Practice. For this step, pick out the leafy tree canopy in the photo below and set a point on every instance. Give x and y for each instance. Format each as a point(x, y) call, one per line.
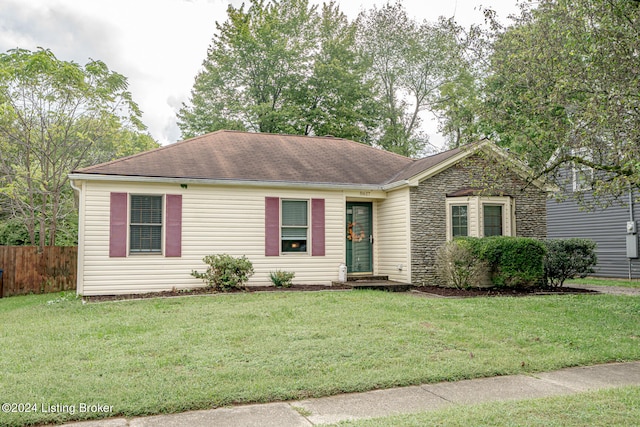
point(282, 66)
point(563, 88)
point(410, 62)
point(57, 116)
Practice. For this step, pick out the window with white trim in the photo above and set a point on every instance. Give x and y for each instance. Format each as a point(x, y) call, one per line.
point(459, 220)
point(479, 216)
point(582, 175)
point(145, 224)
point(294, 229)
point(492, 220)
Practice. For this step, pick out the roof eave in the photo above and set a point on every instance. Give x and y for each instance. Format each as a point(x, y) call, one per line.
point(395, 185)
point(225, 182)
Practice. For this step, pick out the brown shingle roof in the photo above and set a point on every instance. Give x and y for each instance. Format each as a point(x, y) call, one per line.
point(234, 155)
point(421, 165)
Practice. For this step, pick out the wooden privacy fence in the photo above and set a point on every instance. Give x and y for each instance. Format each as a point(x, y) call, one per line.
point(26, 270)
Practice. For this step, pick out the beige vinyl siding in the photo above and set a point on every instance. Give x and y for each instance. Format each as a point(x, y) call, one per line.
point(393, 236)
point(214, 220)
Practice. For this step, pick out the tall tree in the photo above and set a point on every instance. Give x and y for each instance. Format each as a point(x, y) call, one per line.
point(460, 98)
point(56, 116)
point(281, 66)
point(410, 63)
point(564, 88)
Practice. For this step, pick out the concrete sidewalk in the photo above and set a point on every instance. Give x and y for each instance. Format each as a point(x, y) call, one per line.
point(380, 403)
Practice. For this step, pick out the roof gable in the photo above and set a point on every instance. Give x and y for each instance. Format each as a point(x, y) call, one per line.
point(435, 164)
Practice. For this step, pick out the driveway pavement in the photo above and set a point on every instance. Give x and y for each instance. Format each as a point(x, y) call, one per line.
point(613, 290)
point(377, 403)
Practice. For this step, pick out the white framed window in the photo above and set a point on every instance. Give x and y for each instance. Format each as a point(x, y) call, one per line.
point(459, 220)
point(492, 220)
point(294, 228)
point(145, 224)
point(478, 216)
point(582, 175)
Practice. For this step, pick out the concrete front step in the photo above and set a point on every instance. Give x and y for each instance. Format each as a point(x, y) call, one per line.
point(366, 278)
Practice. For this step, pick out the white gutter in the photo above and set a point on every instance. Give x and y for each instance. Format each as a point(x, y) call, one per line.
point(80, 264)
point(73, 185)
point(394, 185)
point(231, 182)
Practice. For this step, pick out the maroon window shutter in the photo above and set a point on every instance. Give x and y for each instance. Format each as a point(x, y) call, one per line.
point(317, 227)
point(118, 225)
point(272, 226)
point(173, 232)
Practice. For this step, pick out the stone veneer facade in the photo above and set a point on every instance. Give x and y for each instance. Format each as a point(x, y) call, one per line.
point(428, 208)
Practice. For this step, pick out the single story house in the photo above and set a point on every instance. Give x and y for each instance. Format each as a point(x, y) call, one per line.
point(294, 203)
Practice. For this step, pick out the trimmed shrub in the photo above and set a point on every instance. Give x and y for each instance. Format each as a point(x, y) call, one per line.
point(568, 258)
point(515, 262)
point(282, 279)
point(225, 272)
point(458, 267)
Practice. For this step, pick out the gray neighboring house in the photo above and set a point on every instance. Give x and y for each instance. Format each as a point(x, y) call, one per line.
point(606, 226)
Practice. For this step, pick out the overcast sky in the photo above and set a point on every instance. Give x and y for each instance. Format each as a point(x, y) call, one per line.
point(159, 45)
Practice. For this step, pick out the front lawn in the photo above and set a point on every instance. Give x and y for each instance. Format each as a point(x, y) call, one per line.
point(170, 355)
point(615, 407)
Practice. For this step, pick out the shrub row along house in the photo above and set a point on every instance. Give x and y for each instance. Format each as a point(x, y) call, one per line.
point(295, 203)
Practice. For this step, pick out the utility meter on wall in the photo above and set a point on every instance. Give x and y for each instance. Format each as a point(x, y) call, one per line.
point(631, 227)
point(632, 240)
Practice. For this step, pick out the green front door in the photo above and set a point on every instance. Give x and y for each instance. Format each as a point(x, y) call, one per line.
point(359, 237)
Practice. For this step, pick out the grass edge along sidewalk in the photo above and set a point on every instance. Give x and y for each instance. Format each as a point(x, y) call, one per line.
point(611, 407)
point(456, 403)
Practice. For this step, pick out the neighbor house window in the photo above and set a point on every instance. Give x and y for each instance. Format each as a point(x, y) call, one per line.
point(582, 174)
point(492, 215)
point(145, 233)
point(295, 225)
point(459, 220)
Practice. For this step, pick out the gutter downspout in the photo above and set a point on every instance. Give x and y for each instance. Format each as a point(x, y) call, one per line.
point(80, 259)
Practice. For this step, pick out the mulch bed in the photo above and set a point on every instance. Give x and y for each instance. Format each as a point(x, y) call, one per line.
point(210, 291)
point(467, 293)
point(445, 292)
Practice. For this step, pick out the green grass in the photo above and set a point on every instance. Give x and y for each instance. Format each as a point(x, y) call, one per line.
point(615, 407)
point(604, 282)
point(170, 355)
